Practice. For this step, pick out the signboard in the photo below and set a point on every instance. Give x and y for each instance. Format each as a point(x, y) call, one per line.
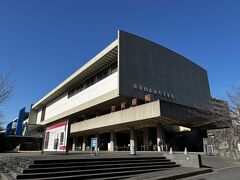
point(209, 149)
point(94, 146)
point(56, 137)
point(94, 142)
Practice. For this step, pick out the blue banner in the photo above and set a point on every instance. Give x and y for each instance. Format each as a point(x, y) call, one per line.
point(20, 122)
point(9, 129)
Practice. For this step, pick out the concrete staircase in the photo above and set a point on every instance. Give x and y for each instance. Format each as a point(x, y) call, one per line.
point(92, 168)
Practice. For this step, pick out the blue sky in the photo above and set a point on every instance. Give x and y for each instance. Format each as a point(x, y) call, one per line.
point(42, 42)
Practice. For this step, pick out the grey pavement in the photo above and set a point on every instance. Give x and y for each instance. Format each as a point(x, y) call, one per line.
point(172, 173)
point(222, 169)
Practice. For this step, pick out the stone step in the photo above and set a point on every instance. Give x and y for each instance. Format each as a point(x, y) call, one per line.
point(86, 163)
point(6, 176)
point(94, 159)
point(11, 164)
point(91, 166)
point(104, 175)
point(89, 172)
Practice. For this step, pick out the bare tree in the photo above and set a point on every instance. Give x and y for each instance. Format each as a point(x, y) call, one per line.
point(234, 103)
point(6, 88)
point(220, 113)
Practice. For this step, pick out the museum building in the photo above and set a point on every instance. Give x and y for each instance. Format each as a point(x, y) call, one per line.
point(133, 94)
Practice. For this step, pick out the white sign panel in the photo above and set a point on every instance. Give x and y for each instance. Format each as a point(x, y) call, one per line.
point(56, 137)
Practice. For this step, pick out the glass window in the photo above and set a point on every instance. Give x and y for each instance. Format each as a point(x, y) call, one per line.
point(94, 79)
point(43, 113)
point(114, 68)
point(105, 73)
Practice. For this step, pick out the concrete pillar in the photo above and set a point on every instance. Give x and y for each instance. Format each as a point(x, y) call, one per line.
point(84, 143)
point(112, 139)
point(160, 137)
point(146, 139)
point(74, 143)
point(132, 141)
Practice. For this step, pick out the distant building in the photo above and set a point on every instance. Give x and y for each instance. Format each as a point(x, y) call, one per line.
point(129, 95)
point(15, 127)
point(223, 140)
point(20, 135)
point(220, 106)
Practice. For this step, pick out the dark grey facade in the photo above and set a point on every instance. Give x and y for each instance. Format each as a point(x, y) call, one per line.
point(146, 67)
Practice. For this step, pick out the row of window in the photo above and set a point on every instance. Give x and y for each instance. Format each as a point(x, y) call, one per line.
point(88, 82)
point(94, 79)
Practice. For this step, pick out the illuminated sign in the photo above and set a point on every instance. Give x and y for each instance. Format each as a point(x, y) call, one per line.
point(94, 142)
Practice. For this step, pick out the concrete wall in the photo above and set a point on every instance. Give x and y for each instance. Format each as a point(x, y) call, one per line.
point(32, 116)
point(225, 143)
point(116, 119)
point(185, 160)
point(39, 114)
point(144, 63)
point(63, 103)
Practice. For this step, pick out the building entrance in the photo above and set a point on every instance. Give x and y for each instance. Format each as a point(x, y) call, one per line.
point(140, 144)
point(103, 141)
point(122, 141)
point(188, 139)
